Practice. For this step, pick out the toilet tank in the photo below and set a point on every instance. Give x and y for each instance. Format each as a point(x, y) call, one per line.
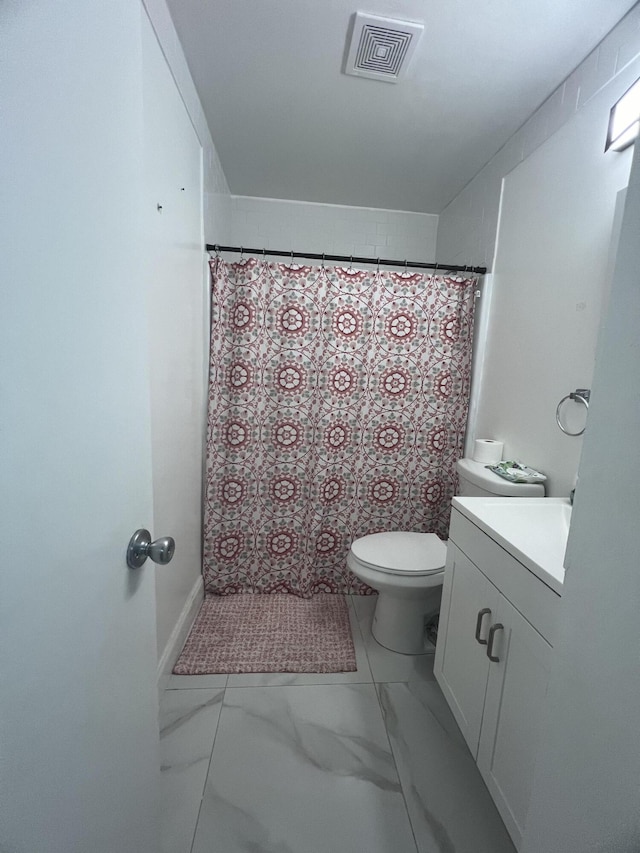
point(476, 480)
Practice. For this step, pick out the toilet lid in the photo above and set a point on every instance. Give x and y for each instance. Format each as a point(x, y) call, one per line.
point(401, 552)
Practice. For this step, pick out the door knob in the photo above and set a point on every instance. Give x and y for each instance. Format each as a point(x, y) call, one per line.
point(140, 547)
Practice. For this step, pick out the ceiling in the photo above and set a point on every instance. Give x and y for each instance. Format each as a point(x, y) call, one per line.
point(288, 124)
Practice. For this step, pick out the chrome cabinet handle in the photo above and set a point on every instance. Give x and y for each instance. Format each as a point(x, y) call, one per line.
point(492, 633)
point(140, 547)
point(481, 614)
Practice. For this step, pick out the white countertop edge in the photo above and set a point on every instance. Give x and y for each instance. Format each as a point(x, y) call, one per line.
point(553, 583)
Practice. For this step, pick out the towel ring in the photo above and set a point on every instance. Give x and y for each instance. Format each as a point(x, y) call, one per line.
point(580, 395)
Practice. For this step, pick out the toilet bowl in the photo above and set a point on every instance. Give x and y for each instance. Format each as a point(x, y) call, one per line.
point(407, 568)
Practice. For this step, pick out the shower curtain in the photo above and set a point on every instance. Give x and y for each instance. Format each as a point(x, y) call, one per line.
point(337, 406)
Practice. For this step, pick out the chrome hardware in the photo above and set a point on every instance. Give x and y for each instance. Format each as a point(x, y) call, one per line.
point(492, 633)
point(140, 547)
point(580, 395)
point(482, 613)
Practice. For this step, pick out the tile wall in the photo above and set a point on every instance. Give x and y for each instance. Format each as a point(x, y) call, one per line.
point(331, 228)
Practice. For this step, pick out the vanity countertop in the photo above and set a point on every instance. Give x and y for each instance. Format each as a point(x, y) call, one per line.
point(533, 530)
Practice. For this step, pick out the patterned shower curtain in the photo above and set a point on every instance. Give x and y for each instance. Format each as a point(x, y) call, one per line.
point(337, 407)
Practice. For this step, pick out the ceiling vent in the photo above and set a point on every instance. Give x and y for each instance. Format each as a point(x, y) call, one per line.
point(381, 48)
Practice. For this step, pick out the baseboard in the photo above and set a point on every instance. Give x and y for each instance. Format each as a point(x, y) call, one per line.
point(179, 634)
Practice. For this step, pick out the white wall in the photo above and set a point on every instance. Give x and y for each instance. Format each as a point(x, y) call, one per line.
point(178, 312)
point(468, 225)
point(216, 189)
point(335, 229)
point(177, 290)
point(549, 284)
point(540, 216)
point(585, 794)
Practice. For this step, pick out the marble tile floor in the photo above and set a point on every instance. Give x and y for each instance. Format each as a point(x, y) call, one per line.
point(370, 761)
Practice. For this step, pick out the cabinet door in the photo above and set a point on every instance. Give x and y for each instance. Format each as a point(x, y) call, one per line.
point(516, 691)
point(461, 664)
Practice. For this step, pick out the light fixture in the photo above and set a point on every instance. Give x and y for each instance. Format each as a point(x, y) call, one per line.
point(624, 120)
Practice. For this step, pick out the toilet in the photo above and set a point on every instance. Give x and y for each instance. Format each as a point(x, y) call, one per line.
point(407, 568)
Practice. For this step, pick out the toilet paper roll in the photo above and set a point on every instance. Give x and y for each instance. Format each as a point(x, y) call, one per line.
point(488, 451)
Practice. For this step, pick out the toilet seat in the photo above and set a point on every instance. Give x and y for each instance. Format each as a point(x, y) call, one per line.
point(401, 552)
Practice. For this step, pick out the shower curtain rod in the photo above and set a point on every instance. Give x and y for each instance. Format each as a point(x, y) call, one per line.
point(348, 258)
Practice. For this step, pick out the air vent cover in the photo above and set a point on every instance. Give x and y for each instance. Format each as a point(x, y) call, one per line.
point(381, 47)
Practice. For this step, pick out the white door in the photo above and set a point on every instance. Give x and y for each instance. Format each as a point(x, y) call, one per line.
point(176, 311)
point(468, 609)
point(516, 693)
point(78, 705)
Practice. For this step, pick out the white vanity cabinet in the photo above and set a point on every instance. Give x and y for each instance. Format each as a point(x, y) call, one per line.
point(492, 605)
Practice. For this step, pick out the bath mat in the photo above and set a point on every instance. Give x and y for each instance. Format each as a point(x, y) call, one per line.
point(269, 633)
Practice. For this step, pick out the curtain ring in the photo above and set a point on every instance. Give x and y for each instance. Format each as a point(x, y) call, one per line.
point(241, 253)
point(405, 266)
point(264, 255)
point(323, 260)
point(350, 264)
point(378, 266)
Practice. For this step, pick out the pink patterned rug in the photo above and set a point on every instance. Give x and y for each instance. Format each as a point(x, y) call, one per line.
point(269, 633)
